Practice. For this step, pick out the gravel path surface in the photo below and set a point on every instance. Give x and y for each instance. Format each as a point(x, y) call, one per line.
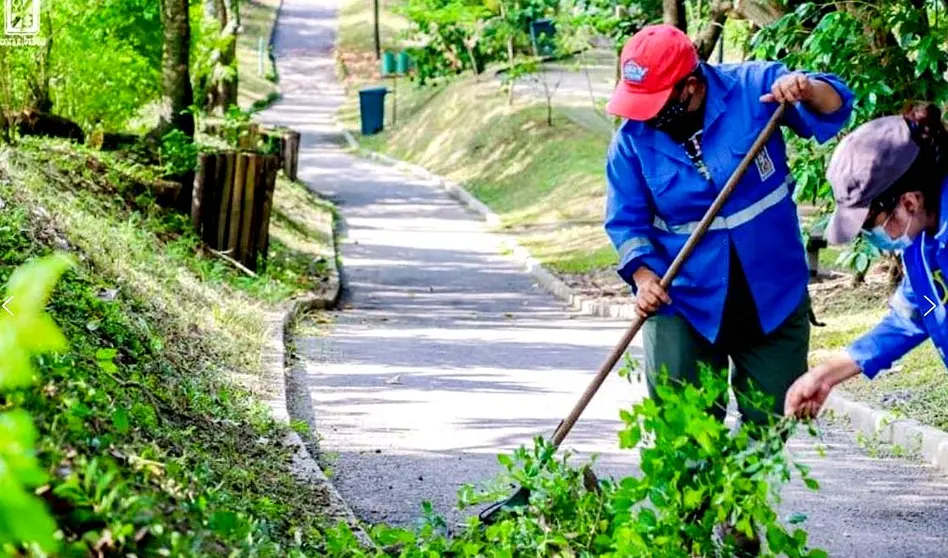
point(446, 353)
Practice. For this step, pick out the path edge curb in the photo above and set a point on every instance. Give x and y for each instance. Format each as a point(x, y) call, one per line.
point(885, 426)
point(276, 372)
point(931, 443)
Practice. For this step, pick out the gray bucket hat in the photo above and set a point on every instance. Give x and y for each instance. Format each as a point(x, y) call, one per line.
point(864, 165)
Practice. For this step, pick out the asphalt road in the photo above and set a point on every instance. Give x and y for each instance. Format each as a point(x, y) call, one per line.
point(446, 353)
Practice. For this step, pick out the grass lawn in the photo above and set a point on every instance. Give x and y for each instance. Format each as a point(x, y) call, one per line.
point(257, 19)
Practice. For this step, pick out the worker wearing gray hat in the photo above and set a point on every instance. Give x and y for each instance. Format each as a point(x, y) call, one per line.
point(889, 177)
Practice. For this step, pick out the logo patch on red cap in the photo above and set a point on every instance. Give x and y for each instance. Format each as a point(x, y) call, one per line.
point(632, 72)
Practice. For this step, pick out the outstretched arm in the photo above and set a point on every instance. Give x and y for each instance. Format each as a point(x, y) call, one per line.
point(898, 333)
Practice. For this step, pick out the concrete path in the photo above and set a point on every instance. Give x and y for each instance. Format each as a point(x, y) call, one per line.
point(446, 353)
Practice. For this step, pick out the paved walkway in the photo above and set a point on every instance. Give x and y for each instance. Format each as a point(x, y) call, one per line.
point(446, 353)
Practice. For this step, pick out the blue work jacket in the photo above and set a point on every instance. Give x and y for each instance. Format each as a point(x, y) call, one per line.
point(917, 309)
point(656, 197)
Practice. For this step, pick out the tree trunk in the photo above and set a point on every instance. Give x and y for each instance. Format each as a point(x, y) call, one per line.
point(709, 36)
point(764, 12)
point(175, 61)
point(470, 54)
point(673, 12)
point(221, 91)
point(39, 84)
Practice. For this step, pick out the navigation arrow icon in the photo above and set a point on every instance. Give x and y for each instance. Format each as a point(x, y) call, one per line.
point(932, 308)
point(4, 305)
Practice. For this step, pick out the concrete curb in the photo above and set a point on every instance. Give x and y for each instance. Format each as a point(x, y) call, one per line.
point(305, 468)
point(930, 442)
point(887, 427)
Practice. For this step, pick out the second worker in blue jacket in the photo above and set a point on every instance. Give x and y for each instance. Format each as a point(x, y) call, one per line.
point(743, 292)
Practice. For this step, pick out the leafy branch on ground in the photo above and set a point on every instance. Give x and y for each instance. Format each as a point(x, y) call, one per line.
point(696, 475)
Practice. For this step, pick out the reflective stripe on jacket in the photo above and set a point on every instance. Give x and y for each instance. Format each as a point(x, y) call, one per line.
point(656, 197)
point(917, 309)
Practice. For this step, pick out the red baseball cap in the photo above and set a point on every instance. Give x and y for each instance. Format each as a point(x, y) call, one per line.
point(653, 61)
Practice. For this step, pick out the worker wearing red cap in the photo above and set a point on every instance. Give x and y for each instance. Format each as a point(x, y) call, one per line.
point(742, 295)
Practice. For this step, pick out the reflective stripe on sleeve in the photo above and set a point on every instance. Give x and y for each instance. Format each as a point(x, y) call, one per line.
point(739, 218)
point(631, 245)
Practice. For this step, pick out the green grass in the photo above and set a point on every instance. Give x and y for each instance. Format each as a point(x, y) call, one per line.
point(257, 19)
point(356, 30)
point(150, 425)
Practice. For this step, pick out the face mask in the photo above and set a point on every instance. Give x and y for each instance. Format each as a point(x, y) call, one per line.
point(671, 116)
point(881, 239)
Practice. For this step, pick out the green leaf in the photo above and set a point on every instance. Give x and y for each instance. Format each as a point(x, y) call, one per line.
point(224, 522)
point(811, 483)
point(106, 354)
point(797, 518)
point(120, 420)
point(31, 284)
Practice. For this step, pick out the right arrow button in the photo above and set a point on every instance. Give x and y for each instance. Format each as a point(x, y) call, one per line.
point(933, 306)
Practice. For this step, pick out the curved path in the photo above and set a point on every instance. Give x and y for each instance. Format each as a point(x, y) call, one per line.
point(446, 353)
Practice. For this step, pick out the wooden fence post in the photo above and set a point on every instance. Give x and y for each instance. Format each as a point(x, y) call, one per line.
point(231, 236)
point(266, 206)
point(203, 176)
point(226, 194)
point(243, 252)
point(232, 204)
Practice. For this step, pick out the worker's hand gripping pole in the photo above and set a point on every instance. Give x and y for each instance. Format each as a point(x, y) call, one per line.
point(564, 428)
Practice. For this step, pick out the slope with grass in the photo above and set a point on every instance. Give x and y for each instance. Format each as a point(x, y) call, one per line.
point(258, 18)
point(150, 425)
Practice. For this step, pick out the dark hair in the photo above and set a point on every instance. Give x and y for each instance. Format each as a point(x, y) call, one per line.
point(927, 173)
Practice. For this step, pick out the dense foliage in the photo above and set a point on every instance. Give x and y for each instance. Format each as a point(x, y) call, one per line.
point(890, 53)
point(100, 62)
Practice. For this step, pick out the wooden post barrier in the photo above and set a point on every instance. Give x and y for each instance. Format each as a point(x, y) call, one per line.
point(233, 197)
point(249, 137)
point(291, 154)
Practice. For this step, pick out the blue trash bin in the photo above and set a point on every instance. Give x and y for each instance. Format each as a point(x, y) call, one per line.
point(372, 109)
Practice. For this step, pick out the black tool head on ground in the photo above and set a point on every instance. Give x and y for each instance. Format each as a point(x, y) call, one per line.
point(519, 499)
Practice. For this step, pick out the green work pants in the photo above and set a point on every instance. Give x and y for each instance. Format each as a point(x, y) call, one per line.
point(768, 363)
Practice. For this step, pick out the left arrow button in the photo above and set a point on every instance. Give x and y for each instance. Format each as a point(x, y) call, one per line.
point(4, 305)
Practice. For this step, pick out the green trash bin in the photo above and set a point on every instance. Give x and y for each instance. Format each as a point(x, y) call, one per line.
point(403, 64)
point(388, 63)
point(372, 109)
